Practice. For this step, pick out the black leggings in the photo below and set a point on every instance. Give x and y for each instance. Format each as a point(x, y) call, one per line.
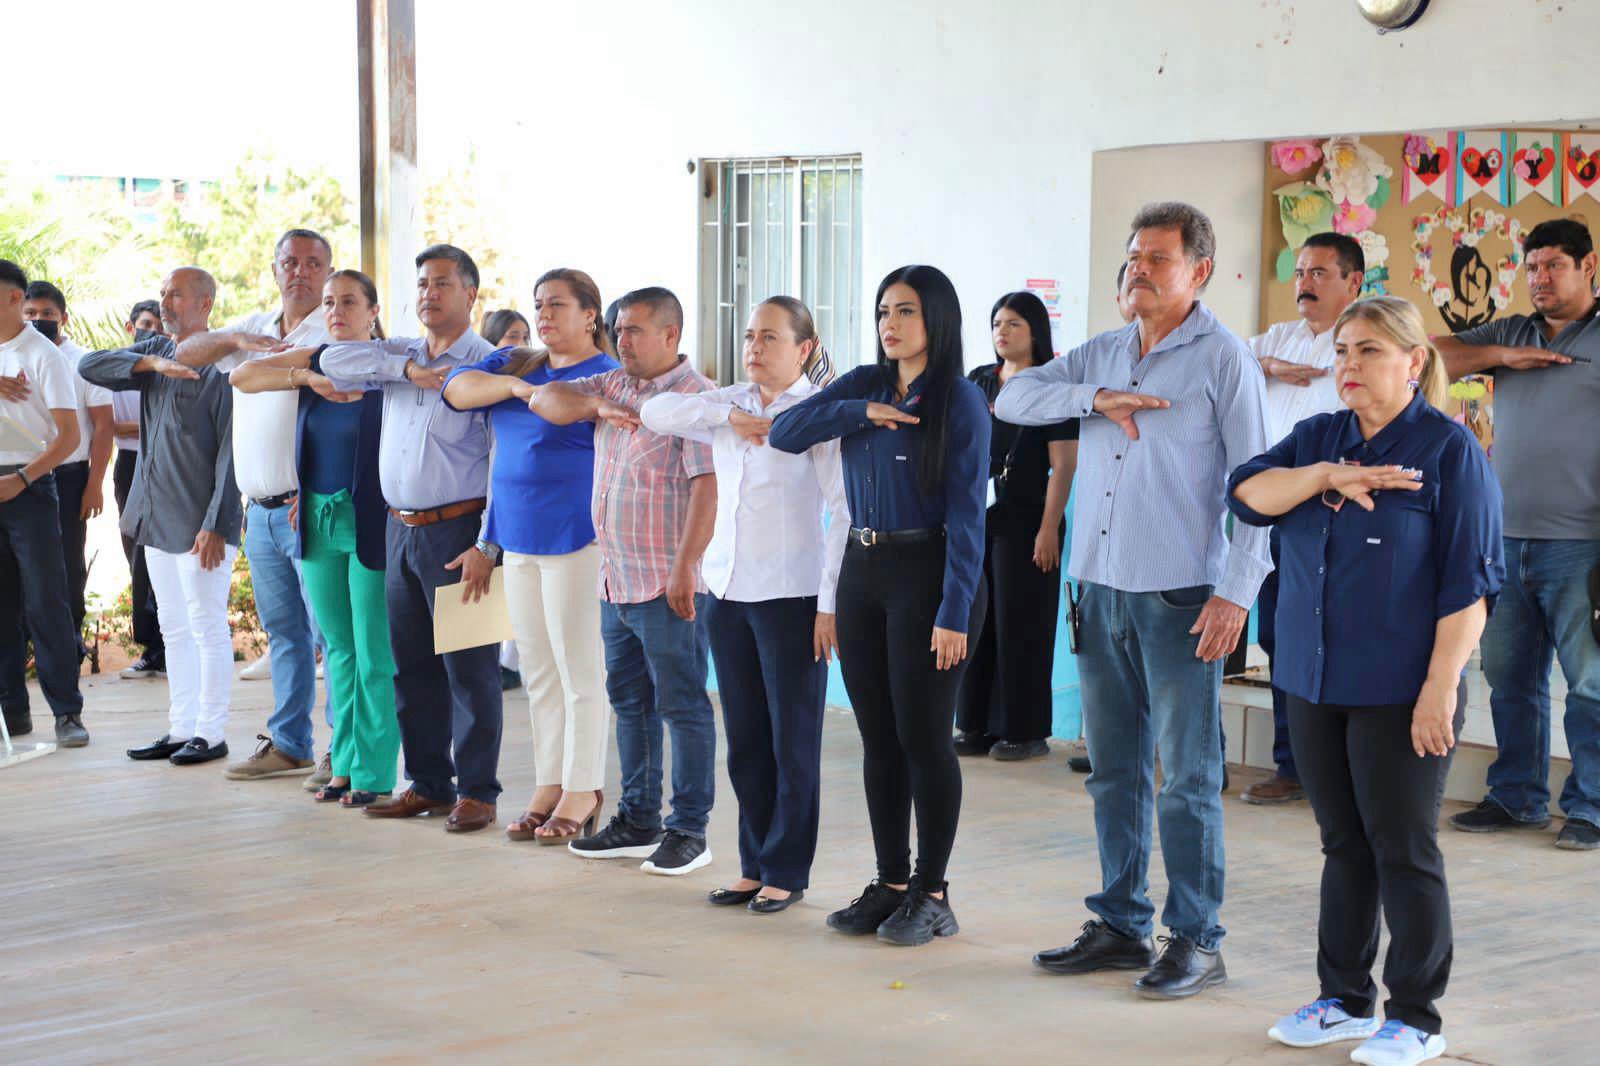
point(887, 602)
point(1377, 806)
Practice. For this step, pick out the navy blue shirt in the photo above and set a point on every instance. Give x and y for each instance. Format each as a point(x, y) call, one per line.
point(1359, 592)
point(881, 468)
point(328, 451)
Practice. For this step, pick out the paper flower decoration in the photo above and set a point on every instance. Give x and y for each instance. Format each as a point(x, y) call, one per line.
point(1352, 170)
point(1303, 209)
point(1374, 248)
point(1353, 218)
point(1295, 157)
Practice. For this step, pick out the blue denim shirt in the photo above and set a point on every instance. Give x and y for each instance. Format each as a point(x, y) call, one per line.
point(1360, 591)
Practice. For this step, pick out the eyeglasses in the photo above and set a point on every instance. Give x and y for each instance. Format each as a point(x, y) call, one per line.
point(1333, 498)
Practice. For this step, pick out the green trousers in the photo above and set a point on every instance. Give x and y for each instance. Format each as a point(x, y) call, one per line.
point(349, 602)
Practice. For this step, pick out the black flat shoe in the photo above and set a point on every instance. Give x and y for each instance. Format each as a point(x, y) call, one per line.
point(198, 751)
point(164, 748)
point(767, 905)
point(1098, 947)
point(730, 897)
point(1017, 750)
point(867, 911)
point(973, 744)
point(1079, 764)
point(331, 793)
point(1183, 969)
point(919, 918)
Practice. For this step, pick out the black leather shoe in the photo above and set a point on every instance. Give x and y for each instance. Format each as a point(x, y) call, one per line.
point(1017, 750)
point(70, 732)
point(973, 744)
point(1079, 764)
point(767, 905)
point(919, 918)
point(1099, 947)
point(1183, 969)
point(867, 911)
point(163, 748)
point(730, 897)
point(19, 723)
point(198, 751)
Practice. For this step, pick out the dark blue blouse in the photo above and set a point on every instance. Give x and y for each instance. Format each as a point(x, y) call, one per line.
point(1359, 592)
point(328, 450)
point(881, 469)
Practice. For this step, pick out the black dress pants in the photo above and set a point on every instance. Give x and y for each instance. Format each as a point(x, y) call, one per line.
point(72, 480)
point(146, 626)
point(1377, 806)
point(904, 705)
point(1006, 691)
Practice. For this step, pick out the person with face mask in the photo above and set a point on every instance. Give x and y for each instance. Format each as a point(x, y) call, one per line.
point(144, 322)
point(772, 573)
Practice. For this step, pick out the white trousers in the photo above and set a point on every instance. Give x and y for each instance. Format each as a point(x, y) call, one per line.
point(192, 605)
point(555, 616)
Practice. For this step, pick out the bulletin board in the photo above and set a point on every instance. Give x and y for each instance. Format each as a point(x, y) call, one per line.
point(1440, 215)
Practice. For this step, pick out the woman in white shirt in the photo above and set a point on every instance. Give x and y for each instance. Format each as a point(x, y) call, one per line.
point(772, 571)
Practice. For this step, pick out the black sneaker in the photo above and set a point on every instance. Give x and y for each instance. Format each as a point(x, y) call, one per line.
point(145, 666)
point(1183, 969)
point(1490, 817)
point(19, 723)
point(1017, 750)
point(678, 854)
point(973, 744)
point(1578, 835)
point(1079, 764)
point(919, 918)
point(618, 840)
point(868, 910)
point(70, 732)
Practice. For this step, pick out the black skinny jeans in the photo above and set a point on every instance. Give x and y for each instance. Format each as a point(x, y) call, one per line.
point(1377, 806)
point(888, 599)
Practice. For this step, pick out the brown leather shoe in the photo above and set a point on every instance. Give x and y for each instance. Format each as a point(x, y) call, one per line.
point(469, 816)
point(408, 804)
point(1274, 790)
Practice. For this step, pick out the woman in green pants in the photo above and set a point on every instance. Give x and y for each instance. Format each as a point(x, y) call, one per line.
point(340, 516)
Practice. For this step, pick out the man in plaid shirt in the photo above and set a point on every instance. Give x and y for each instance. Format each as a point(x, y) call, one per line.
point(654, 508)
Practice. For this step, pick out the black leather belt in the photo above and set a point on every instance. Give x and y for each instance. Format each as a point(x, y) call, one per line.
point(272, 503)
point(877, 538)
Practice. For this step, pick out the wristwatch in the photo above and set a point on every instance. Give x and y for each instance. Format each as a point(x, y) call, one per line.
point(490, 551)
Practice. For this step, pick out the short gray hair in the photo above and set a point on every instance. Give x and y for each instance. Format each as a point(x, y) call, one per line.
point(1199, 239)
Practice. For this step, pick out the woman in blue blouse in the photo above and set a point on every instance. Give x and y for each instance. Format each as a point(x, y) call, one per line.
point(914, 441)
point(540, 488)
point(1389, 519)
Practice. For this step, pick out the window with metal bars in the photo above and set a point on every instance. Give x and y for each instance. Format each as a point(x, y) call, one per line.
point(780, 226)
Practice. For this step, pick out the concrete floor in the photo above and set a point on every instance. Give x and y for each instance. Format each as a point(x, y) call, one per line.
point(157, 914)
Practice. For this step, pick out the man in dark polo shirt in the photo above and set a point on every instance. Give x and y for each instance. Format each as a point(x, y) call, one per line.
point(1546, 369)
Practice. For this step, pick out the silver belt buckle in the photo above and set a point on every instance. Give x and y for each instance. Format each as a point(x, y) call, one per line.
point(869, 537)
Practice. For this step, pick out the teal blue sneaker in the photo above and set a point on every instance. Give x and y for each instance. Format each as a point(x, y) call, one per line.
point(1320, 1022)
point(1397, 1044)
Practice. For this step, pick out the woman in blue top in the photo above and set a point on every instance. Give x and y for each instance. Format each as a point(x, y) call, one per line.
point(1389, 519)
point(539, 499)
point(340, 517)
point(914, 442)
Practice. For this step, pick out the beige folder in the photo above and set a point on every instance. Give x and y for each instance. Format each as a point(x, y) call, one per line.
point(458, 625)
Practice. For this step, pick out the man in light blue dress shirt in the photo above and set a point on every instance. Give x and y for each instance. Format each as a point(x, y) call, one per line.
point(433, 463)
point(1165, 593)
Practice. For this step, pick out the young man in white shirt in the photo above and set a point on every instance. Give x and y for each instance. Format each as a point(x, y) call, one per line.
point(38, 429)
point(264, 463)
point(80, 478)
point(1297, 358)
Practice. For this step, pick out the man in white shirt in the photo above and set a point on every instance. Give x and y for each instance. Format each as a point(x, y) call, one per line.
point(144, 322)
point(38, 429)
point(80, 479)
point(1298, 360)
point(264, 464)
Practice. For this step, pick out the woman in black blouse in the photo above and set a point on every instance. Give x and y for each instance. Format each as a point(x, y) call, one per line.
point(1005, 705)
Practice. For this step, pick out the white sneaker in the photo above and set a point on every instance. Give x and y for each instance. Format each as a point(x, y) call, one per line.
point(1397, 1044)
point(1320, 1022)
point(260, 670)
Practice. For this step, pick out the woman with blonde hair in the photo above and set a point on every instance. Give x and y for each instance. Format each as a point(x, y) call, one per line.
point(539, 514)
point(1389, 518)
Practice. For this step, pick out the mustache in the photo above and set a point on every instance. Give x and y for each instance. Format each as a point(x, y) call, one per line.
point(1306, 296)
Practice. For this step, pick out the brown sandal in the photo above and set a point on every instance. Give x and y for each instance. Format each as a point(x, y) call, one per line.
point(562, 830)
point(523, 827)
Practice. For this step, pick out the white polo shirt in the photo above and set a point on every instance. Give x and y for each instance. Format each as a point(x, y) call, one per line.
point(86, 396)
point(263, 422)
point(29, 353)
point(1288, 404)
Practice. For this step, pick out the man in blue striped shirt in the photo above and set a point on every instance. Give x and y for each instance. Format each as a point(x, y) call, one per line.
point(1165, 593)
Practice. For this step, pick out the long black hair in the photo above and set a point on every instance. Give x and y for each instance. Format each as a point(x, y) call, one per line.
point(941, 318)
point(1031, 310)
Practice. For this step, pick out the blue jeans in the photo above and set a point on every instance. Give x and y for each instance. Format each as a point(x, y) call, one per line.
point(1144, 692)
point(275, 576)
point(1542, 617)
point(655, 674)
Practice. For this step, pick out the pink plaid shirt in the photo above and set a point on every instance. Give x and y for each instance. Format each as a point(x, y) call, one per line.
point(641, 486)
